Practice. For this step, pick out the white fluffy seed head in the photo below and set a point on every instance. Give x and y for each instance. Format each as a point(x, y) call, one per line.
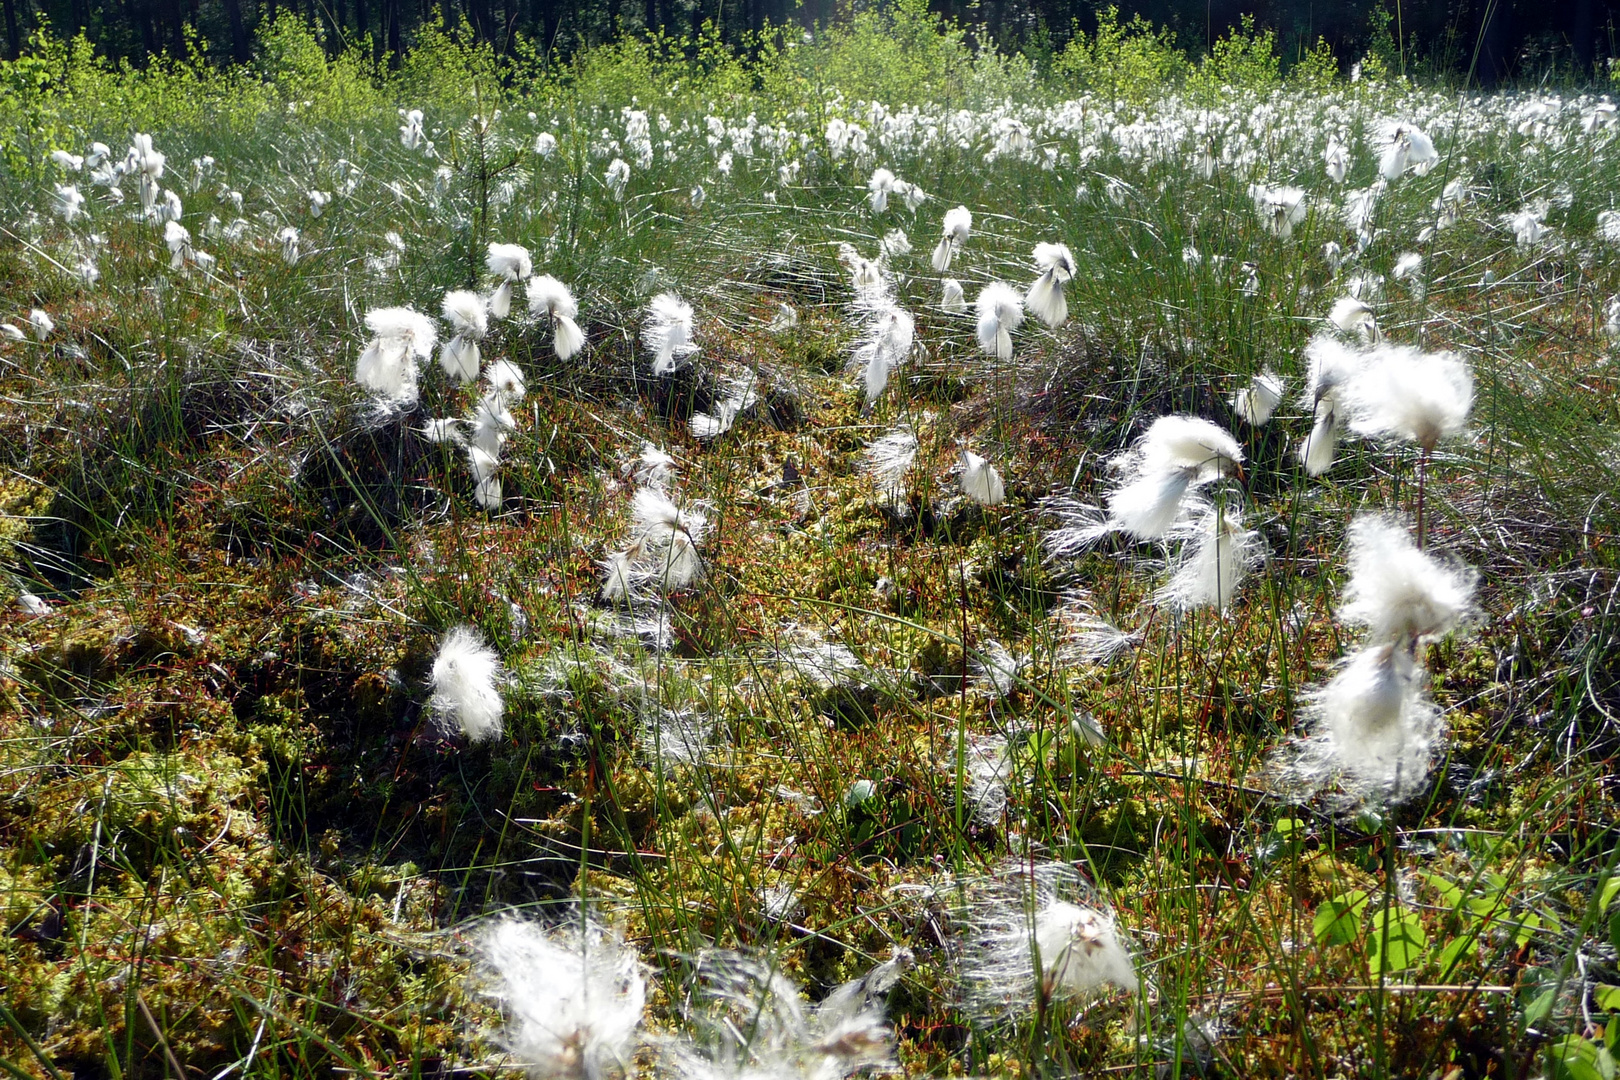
point(506, 379)
point(464, 310)
point(1148, 504)
point(1400, 594)
point(1330, 366)
point(980, 481)
point(409, 327)
point(1409, 394)
point(573, 996)
point(1354, 317)
point(548, 296)
point(465, 695)
point(667, 330)
point(1054, 264)
point(958, 225)
point(1218, 558)
point(1001, 311)
point(951, 297)
point(1190, 443)
point(1055, 259)
point(1373, 732)
point(1256, 402)
point(1032, 933)
point(889, 458)
point(510, 262)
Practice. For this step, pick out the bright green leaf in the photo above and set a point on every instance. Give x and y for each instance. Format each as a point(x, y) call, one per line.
point(1395, 942)
point(1338, 921)
point(1537, 1010)
point(1575, 1058)
point(1527, 930)
point(1610, 890)
point(1607, 997)
point(1453, 953)
point(1450, 894)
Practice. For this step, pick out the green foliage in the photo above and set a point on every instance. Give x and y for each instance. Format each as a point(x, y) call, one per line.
point(1338, 921)
point(1383, 54)
point(1131, 62)
point(900, 54)
point(1317, 70)
point(1245, 58)
point(294, 63)
point(1395, 941)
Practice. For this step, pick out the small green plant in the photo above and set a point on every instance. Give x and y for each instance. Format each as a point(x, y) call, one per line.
point(1130, 62)
point(1317, 70)
point(1246, 58)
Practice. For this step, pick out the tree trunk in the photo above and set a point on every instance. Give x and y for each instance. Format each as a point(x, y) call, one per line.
point(239, 38)
point(396, 49)
point(13, 34)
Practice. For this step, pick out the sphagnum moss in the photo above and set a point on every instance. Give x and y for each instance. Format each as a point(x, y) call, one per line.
point(224, 803)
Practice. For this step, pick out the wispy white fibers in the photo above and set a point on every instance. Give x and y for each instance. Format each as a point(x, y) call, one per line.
point(1174, 455)
point(410, 132)
point(785, 319)
point(41, 323)
point(572, 994)
point(1054, 265)
point(1409, 268)
point(1405, 393)
point(1354, 317)
point(752, 1023)
point(888, 459)
point(1611, 317)
point(1001, 311)
point(1400, 594)
point(617, 178)
point(1215, 560)
point(980, 481)
point(895, 243)
point(1256, 402)
point(491, 421)
point(951, 298)
point(667, 330)
point(509, 263)
point(1037, 932)
point(664, 554)
point(879, 187)
point(1372, 728)
point(885, 342)
point(1337, 160)
point(1330, 365)
point(741, 395)
point(465, 696)
point(550, 297)
point(485, 468)
point(1608, 227)
point(506, 379)
point(1279, 208)
point(1528, 223)
point(867, 277)
point(464, 310)
point(401, 339)
point(652, 467)
point(67, 202)
point(958, 227)
point(289, 240)
point(1402, 147)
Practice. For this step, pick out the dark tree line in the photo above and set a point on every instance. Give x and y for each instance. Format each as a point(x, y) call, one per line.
point(1501, 39)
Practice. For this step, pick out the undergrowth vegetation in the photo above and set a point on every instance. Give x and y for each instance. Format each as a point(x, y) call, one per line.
point(777, 572)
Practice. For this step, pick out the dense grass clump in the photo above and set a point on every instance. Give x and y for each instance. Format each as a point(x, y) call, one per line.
point(1211, 669)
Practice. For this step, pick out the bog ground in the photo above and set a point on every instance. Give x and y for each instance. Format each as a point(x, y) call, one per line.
point(709, 568)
